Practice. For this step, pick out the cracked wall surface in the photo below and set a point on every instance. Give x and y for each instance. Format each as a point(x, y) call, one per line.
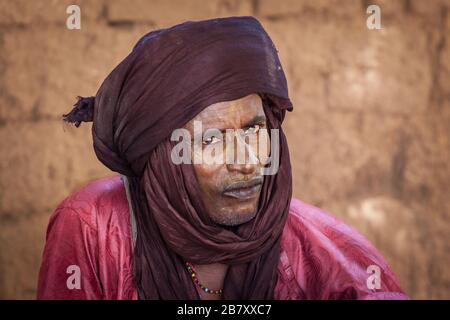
point(369, 137)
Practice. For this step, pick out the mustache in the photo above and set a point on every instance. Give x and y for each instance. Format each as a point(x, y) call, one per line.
point(244, 184)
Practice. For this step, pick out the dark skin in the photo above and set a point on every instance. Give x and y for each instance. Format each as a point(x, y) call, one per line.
point(225, 206)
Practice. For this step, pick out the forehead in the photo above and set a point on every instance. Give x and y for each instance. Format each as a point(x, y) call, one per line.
point(230, 114)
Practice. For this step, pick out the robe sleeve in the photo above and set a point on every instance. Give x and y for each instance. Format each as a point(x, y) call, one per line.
point(69, 268)
point(331, 260)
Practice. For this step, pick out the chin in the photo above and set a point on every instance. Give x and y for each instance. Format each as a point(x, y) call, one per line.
point(235, 217)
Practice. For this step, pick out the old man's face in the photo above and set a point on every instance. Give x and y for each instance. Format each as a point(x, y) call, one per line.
point(231, 191)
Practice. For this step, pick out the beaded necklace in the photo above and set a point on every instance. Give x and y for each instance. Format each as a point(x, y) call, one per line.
point(193, 273)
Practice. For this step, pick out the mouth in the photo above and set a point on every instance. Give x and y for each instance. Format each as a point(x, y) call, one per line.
point(244, 190)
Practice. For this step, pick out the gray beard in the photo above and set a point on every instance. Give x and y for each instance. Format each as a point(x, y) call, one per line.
point(234, 220)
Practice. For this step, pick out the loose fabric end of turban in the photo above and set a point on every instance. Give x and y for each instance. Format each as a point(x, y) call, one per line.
point(83, 111)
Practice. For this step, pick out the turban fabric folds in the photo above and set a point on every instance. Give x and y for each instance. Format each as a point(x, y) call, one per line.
point(169, 77)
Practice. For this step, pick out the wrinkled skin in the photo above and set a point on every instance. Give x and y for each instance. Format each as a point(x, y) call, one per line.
point(247, 114)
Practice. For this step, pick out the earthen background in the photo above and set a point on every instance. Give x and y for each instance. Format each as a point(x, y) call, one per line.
point(369, 137)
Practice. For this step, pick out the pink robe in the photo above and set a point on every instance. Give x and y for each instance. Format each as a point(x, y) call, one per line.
point(321, 257)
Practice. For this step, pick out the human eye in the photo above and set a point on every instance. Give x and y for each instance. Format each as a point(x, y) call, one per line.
point(253, 129)
point(210, 140)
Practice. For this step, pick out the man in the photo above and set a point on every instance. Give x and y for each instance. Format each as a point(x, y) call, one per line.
point(200, 229)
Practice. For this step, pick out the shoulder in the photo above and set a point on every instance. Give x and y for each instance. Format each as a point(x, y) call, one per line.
point(317, 227)
point(97, 200)
point(105, 189)
point(89, 230)
point(329, 258)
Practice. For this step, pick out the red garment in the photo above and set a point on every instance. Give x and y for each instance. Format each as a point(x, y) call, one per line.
point(321, 257)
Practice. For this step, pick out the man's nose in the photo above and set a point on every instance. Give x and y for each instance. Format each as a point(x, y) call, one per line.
point(244, 159)
point(245, 168)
